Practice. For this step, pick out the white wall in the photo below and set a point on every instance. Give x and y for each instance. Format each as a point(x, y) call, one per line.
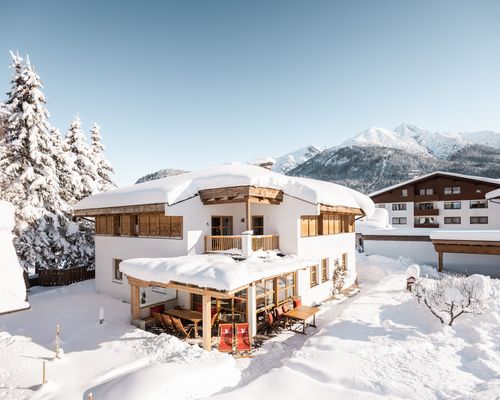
point(465, 212)
point(283, 219)
point(424, 253)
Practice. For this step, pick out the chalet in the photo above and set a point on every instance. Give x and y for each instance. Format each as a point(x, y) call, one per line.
point(239, 239)
point(442, 219)
point(441, 200)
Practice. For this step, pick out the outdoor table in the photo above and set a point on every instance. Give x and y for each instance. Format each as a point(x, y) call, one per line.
point(303, 313)
point(193, 316)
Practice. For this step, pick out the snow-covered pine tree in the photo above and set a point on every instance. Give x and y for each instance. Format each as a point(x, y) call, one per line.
point(28, 176)
point(104, 168)
point(84, 166)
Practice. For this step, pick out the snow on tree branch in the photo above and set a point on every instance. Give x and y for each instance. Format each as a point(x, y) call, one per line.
point(451, 296)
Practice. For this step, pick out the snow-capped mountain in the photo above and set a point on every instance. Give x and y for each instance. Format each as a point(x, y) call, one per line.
point(289, 161)
point(381, 137)
point(423, 142)
point(162, 173)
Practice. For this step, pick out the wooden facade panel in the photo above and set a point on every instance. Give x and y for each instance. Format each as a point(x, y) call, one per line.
point(304, 227)
point(164, 225)
point(143, 224)
point(470, 189)
point(126, 226)
point(154, 224)
point(109, 225)
point(176, 227)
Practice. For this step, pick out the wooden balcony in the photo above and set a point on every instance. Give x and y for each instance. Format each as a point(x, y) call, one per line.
point(233, 244)
point(425, 212)
point(426, 225)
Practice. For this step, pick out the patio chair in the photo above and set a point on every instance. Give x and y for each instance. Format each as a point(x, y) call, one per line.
point(168, 324)
point(297, 301)
point(226, 337)
point(181, 328)
point(243, 343)
point(271, 324)
point(214, 320)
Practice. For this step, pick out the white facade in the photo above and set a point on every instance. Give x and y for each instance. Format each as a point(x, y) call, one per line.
point(406, 219)
point(283, 220)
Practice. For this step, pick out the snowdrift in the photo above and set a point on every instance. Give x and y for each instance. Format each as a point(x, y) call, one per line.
point(12, 287)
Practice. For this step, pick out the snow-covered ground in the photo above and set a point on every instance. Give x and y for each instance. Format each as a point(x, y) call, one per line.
point(378, 344)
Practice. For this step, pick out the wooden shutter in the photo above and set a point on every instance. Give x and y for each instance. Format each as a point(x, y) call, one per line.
point(313, 226)
point(304, 226)
point(164, 225)
point(338, 223)
point(154, 224)
point(176, 227)
point(331, 224)
point(125, 225)
point(109, 225)
point(143, 224)
point(97, 226)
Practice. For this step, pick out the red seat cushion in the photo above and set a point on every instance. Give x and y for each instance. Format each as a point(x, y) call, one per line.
point(297, 303)
point(157, 309)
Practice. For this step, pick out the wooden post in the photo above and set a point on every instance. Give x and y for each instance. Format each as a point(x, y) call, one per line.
point(44, 377)
point(207, 322)
point(248, 214)
point(440, 261)
point(58, 332)
point(134, 301)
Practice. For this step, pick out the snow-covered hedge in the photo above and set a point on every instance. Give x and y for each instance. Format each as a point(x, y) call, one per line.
point(450, 296)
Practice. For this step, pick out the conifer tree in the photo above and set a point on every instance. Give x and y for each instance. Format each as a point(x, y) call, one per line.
point(28, 176)
point(104, 168)
point(76, 144)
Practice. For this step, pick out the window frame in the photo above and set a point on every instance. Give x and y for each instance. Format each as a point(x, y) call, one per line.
point(399, 219)
point(221, 226)
point(324, 269)
point(399, 207)
point(480, 220)
point(452, 203)
point(404, 192)
point(452, 219)
point(257, 226)
point(479, 202)
point(313, 276)
point(116, 269)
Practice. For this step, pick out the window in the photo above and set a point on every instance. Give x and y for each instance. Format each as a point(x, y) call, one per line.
point(314, 275)
point(117, 275)
point(258, 224)
point(404, 192)
point(380, 205)
point(222, 225)
point(399, 220)
point(452, 205)
point(478, 220)
point(452, 190)
point(425, 206)
point(286, 288)
point(426, 192)
point(324, 270)
point(478, 190)
point(309, 225)
point(399, 207)
point(264, 294)
point(332, 223)
point(452, 220)
point(478, 204)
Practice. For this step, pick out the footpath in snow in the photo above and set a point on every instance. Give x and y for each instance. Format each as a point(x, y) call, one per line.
point(378, 344)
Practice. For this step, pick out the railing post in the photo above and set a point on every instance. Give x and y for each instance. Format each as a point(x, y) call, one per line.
point(246, 244)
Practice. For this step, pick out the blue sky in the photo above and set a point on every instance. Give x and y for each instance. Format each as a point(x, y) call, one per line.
point(189, 84)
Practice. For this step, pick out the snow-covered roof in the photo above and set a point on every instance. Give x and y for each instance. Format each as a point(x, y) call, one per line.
point(177, 188)
point(450, 174)
point(214, 271)
point(480, 235)
point(494, 194)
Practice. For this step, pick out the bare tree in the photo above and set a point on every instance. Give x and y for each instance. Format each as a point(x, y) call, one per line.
point(451, 296)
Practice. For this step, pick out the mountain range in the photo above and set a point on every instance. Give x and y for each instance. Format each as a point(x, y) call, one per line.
point(380, 157)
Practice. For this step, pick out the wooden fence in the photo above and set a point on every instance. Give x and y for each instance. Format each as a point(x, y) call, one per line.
point(59, 277)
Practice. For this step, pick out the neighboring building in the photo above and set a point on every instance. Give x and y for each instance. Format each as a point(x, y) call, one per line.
point(441, 200)
point(304, 227)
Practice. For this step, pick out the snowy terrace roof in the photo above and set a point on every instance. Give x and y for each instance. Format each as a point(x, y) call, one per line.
point(474, 235)
point(494, 194)
point(449, 174)
point(215, 271)
point(174, 189)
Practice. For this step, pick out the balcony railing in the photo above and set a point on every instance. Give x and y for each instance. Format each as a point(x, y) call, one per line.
point(233, 244)
point(424, 212)
point(426, 225)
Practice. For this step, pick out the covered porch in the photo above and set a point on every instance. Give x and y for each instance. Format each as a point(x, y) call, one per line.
point(233, 306)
